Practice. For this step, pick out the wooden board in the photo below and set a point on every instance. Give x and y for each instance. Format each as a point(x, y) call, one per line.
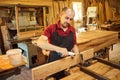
point(78, 76)
point(43, 71)
point(100, 68)
point(96, 39)
point(105, 70)
point(113, 74)
point(29, 2)
point(6, 37)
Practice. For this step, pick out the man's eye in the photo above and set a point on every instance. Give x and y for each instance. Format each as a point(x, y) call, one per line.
point(69, 18)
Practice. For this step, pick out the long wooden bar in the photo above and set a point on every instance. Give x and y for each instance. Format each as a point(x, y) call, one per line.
point(43, 71)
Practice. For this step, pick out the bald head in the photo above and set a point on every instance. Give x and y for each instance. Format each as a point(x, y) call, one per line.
point(66, 16)
point(65, 9)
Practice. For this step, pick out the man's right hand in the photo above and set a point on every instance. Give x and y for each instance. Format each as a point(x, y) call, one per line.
point(63, 51)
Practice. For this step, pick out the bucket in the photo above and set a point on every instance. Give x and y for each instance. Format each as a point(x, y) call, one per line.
point(14, 56)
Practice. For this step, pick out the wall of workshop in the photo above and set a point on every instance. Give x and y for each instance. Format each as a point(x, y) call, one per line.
point(107, 9)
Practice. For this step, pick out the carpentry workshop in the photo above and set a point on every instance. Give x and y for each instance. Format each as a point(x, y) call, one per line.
point(59, 39)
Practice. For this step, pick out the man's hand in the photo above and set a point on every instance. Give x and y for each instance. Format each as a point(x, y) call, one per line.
point(63, 51)
point(46, 52)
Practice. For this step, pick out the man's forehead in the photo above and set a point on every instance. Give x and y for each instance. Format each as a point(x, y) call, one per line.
point(69, 10)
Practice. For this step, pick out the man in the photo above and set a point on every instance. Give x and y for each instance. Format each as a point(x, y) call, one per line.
point(59, 38)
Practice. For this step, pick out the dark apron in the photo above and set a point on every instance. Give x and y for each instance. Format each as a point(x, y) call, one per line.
point(62, 41)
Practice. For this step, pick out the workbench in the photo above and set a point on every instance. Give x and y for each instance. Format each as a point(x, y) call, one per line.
point(110, 27)
point(96, 39)
point(88, 43)
point(6, 69)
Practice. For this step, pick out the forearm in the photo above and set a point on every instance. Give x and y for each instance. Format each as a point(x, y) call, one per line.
point(48, 46)
point(43, 43)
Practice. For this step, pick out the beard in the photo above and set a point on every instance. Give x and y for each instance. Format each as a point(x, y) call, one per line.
point(65, 25)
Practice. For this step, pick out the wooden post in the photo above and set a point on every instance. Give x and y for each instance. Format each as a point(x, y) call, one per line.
point(6, 37)
point(17, 20)
point(44, 16)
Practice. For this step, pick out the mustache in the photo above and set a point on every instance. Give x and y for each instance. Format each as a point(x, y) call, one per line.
point(67, 23)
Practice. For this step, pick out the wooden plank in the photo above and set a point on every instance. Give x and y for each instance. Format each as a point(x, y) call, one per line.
point(61, 5)
point(87, 54)
point(96, 39)
point(95, 34)
point(41, 72)
point(44, 16)
point(78, 76)
point(28, 3)
point(56, 11)
point(6, 37)
point(113, 74)
point(100, 68)
point(29, 34)
point(17, 20)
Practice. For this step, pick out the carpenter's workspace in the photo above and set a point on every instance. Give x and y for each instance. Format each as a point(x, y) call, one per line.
point(59, 40)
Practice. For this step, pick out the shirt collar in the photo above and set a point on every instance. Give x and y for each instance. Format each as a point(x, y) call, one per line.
point(69, 28)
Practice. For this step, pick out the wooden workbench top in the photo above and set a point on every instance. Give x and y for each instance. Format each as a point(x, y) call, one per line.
point(5, 64)
point(96, 39)
point(91, 35)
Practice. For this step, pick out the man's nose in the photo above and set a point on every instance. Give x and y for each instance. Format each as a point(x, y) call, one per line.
point(68, 20)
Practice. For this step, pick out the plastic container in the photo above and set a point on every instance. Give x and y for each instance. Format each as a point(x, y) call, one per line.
point(14, 56)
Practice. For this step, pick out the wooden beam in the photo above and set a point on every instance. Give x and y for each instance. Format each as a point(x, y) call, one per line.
point(44, 16)
point(17, 20)
point(27, 3)
point(41, 72)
